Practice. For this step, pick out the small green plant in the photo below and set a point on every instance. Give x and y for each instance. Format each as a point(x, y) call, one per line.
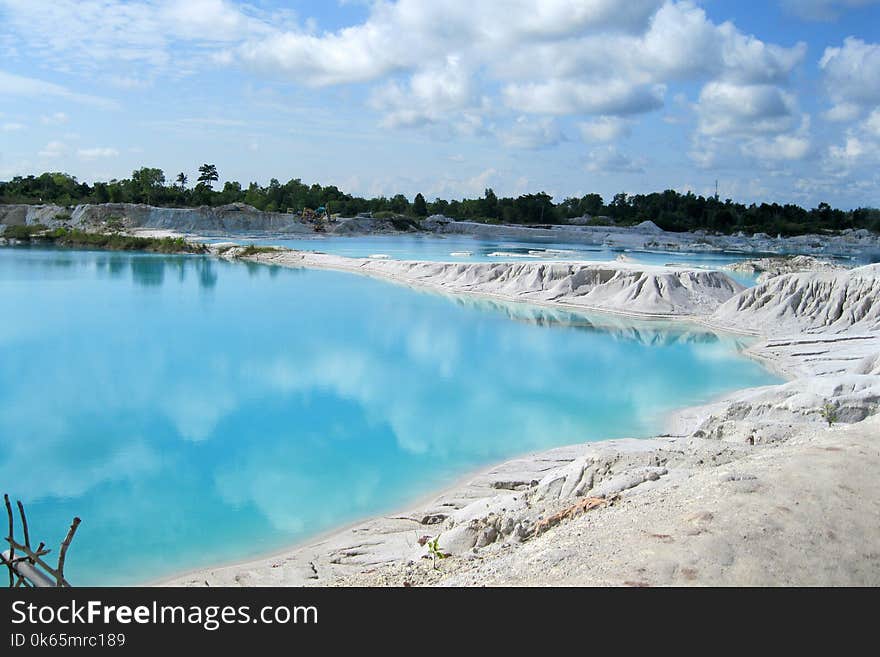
point(62, 216)
point(434, 549)
point(829, 412)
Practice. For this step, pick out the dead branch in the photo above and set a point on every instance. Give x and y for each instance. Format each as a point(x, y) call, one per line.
point(63, 554)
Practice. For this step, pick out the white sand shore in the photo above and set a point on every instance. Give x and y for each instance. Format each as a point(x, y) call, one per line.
point(752, 489)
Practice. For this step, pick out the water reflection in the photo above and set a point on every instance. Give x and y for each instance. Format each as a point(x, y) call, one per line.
point(148, 272)
point(284, 407)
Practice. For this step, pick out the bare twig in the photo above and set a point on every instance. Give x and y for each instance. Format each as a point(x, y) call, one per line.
point(63, 554)
point(27, 536)
point(11, 538)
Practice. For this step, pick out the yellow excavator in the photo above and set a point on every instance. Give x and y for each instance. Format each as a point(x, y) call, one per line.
point(318, 217)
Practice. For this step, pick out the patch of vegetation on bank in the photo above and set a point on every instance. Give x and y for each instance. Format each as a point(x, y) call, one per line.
point(23, 233)
point(253, 249)
point(74, 238)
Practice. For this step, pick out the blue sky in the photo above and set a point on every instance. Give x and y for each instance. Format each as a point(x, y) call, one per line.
point(777, 100)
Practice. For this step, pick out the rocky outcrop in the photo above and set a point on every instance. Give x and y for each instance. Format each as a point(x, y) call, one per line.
point(233, 218)
point(830, 302)
point(769, 414)
point(24, 215)
point(622, 288)
point(767, 268)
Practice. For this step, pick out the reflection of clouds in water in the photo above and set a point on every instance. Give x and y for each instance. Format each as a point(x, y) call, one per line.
point(488, 405)
point(302, 394)
point(196, 412)
point(292, 497)
point(63, 465)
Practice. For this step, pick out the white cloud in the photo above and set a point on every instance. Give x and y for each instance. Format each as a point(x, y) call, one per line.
point(18, 85)
point(604, 129)
point(531, 133)
point(53, 150)
point(551, 57)
point(855, 152)
point(780, 147)
point(404, 34)
point(563, 96)
point(96, 153)
point(453, 66)
point(611, 160)
point(872, 123)
point(730, 109)
point(12, 127)
point(860, 146)
point(429, 96)
point(80, 34)
point(852, 78)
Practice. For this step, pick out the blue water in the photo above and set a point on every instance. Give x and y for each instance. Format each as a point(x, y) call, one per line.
point(194, 411)
point(471, 249)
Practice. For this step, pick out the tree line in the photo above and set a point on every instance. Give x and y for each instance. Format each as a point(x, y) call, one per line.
point(669, 209)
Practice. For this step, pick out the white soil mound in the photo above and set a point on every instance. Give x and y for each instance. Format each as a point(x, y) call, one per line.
point(830, 302)
point(640, 290)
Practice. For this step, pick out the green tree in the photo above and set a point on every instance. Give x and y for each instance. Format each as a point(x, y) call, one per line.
point(399, 204)
point(147, 183)
point(420, 208)
point(490, 204)
point(181, 180)
point(208, 175)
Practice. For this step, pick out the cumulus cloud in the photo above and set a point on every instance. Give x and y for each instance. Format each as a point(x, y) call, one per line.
point(429, 96)
point(780, 147)
point(531, 133)
point(460, 66)
point(731, 109)
point(872, 123)
point(859, 147)
point(604, 129)
point(592, 57)
point(852, 78)
point(404, 34)
point(611, 160)
point(575, 97)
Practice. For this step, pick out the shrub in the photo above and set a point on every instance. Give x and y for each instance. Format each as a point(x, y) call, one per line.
point(253, 249)
point(24, 233)
point(829, 412)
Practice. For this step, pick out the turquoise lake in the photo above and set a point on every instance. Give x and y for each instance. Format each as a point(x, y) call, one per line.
point(193, 411)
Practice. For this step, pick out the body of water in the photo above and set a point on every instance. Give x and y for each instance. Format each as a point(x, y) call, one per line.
point(463, 248)
point(193, 411)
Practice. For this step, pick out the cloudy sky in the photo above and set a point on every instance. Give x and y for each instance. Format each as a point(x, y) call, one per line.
point(776, 99)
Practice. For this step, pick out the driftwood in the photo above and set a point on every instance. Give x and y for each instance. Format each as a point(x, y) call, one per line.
point(28, 569)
